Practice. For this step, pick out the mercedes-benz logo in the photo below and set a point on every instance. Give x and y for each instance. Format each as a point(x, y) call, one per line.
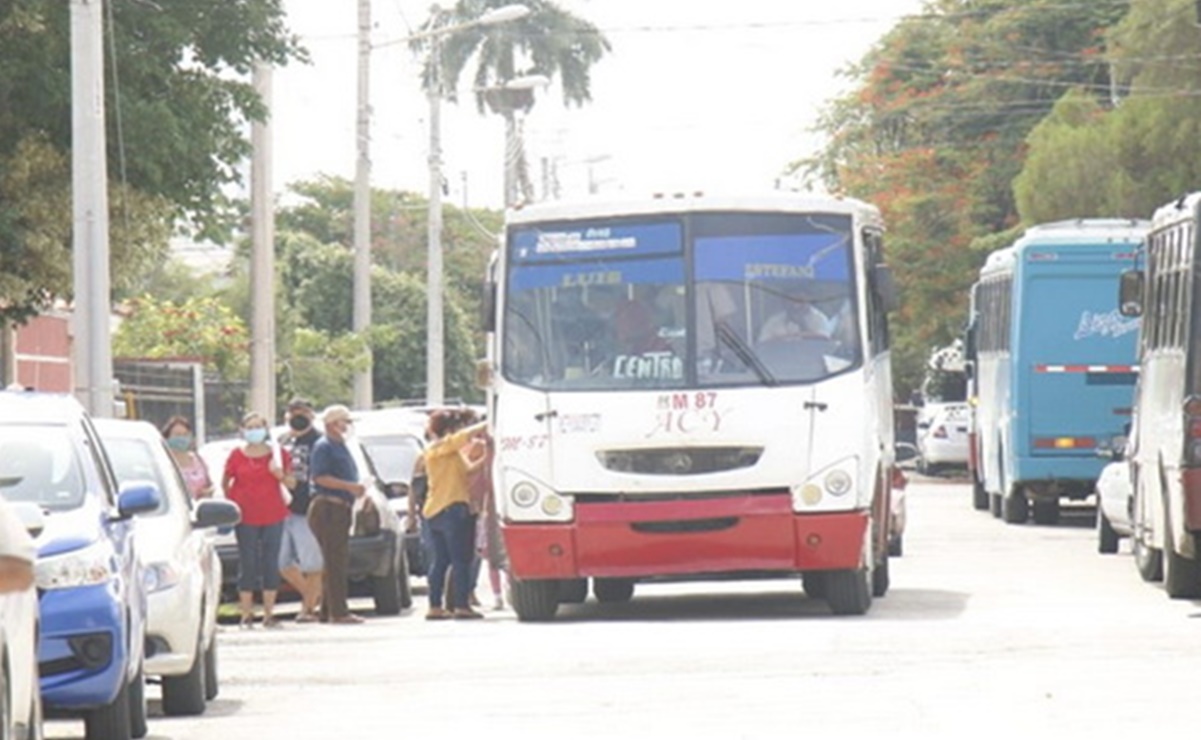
point(679, 462)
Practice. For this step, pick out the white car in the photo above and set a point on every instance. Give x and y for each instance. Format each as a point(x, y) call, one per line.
point(183, 572)
point(942, 436)
point(20, 697)
point(1115, 494)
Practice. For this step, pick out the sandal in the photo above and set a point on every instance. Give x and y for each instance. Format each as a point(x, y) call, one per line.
point(271, 623)
point(348, 619)
point(306, 617)
point(467, 614)
point(436, 613)
point(246, 622)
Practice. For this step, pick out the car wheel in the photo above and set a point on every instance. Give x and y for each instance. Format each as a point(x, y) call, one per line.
point(573, 591)
point(612, 590)
point(6, 711)
point(980, 497)
point(212, 686)
point(814, 584)
point(404, 583)
point(1107, 538)
point(849, 592)
point(996, 505)
point(534, 601)
point(386, 590)
point(184, 695)
point(137, 705)
point(111, 721)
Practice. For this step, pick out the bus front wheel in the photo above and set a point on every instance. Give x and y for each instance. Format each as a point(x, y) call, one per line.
point(613, 590)
point(534, 601)
point(849, 592)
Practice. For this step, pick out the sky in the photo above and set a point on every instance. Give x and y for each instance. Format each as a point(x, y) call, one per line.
point(694, 95)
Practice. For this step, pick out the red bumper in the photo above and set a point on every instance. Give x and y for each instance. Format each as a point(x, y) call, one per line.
point(660, 538)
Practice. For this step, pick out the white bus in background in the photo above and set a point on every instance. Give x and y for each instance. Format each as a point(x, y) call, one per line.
point(1164, 447)
point(692, 386)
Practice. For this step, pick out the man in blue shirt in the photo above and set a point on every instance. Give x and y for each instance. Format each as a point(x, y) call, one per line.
point(335, 486)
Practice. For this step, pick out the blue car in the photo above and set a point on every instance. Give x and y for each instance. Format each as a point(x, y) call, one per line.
point(92, 594)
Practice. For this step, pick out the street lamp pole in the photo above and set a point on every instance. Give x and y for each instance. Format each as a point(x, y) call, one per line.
point(361, 320)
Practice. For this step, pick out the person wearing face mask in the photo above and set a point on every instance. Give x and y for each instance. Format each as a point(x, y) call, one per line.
point(335, 486)
point(300, 561)
point(178, 433)
point(252, 480)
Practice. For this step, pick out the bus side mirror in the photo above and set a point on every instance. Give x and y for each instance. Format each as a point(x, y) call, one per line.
point(886, 288)
point(1130, 294)
point(488, 307)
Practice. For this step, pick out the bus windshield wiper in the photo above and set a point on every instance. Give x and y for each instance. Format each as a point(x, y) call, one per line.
point(744, 352)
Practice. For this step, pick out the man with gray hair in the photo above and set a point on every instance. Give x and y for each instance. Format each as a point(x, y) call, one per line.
point(335, 486)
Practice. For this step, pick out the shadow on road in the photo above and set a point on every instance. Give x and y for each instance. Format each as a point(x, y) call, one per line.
point(899, 604)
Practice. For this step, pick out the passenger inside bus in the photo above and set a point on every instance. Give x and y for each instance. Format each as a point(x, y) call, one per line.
point(798, 319)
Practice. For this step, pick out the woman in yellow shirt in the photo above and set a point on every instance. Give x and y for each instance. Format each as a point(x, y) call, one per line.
point(448, 463)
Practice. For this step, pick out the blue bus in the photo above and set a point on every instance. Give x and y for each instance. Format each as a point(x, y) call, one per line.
point(1053, 364)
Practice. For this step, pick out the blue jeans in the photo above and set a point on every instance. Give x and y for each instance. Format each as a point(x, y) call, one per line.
point(451, 532)
point(258, 556)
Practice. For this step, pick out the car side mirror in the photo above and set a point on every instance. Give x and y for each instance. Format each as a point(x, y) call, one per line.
point(213, 513)
point(30, 515)
point(138, 498)
point(886, 288)
point(1130, 293)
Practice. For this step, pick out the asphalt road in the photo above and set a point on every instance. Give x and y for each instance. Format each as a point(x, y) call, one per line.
point(989, 630)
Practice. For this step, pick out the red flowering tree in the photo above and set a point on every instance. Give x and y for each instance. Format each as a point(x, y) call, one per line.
point(202, 328)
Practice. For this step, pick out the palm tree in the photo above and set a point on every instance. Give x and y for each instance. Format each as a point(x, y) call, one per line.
point(549, 41)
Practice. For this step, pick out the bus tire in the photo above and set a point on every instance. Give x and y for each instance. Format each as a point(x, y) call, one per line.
point(1181, 575)
point(1046, 512)
point(849, 592)
point(573, 591)
point(1016, 507)
point(1107, 537)
point(995, 504)
point(534, 601)
point(613, 590)
point(980, 498)
point(814, 584)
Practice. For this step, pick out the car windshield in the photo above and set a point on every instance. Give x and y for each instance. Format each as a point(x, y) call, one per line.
point(134, 460)
point(392, 455)
point(38, 464)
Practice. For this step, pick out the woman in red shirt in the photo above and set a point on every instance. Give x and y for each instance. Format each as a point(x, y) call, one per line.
point(252, 480)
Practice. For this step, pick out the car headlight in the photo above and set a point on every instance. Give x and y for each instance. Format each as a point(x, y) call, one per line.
point(524, 494)
point(87, 566)
point(837, 482)
point(160, 576)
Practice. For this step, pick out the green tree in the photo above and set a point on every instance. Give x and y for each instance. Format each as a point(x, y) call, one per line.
point(177, 86)
point(549, 41)
point(934, 133)
point(202, 328)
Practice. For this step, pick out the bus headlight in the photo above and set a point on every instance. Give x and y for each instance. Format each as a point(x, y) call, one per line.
point(552, 505)
point(837, 482)
point(524, 495)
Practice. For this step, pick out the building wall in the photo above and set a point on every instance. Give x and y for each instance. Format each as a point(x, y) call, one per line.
point(43, 354)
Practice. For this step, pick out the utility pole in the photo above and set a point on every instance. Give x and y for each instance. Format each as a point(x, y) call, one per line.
point(436, 333)
point(262, 261)
point(89, 196)
point(363, 393)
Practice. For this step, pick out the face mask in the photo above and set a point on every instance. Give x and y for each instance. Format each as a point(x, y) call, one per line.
point(255, 436)
point(299, 423)
point(180, 443)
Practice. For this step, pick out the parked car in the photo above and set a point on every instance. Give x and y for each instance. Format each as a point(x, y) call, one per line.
point(1115, 496)
point(942, 437)
point(183, 571)
point(20, 700)
point(378, 564)
point(89, 576)
point(393, 441)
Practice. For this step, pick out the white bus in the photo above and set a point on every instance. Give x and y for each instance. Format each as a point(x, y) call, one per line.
point(688, 387)
point(1164, 448)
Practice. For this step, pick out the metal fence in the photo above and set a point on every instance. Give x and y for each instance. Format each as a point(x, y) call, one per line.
point(156, 390)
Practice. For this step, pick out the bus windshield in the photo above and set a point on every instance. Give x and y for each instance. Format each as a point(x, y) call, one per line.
point(743, 299)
